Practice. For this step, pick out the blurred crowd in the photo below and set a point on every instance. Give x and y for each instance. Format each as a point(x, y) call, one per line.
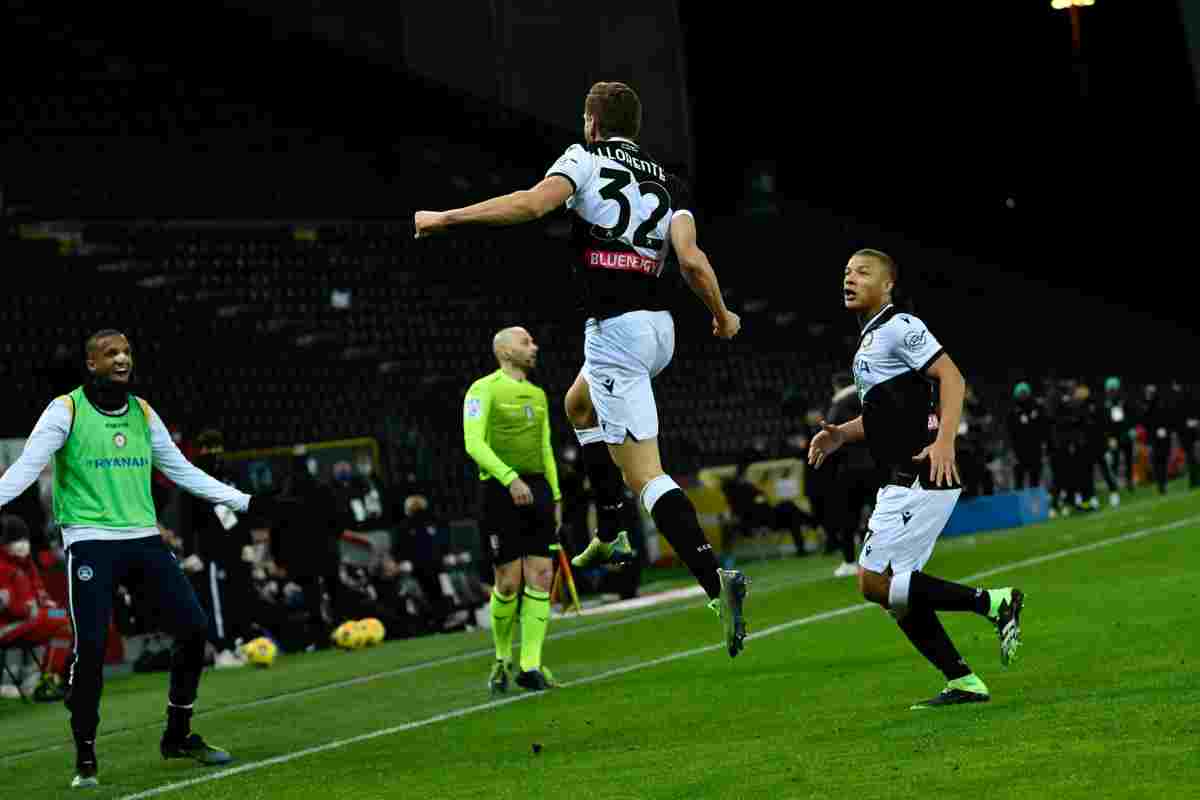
point(1063, 436)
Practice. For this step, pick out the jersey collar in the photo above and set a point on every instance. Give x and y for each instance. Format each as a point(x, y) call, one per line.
point(885, 313)
point(620, 139)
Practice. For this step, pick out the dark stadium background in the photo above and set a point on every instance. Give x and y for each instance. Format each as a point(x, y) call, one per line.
point(1038, 203)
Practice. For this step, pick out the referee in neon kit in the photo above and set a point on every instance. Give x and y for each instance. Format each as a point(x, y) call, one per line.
point(506, 428)
point(105, 441)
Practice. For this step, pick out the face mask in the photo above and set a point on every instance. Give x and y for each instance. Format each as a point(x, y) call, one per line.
point(19, 548)
point(342, 476)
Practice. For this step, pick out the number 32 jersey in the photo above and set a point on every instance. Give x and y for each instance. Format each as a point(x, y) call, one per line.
point(624, 204)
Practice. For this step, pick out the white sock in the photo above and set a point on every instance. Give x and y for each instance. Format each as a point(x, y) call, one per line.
point(898, 595)
point(588, 436)
point(655, 489)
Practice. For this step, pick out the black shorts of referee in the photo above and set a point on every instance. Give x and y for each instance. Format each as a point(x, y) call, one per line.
point(511, 532)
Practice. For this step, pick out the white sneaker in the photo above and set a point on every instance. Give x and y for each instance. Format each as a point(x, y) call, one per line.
point(9, 692)
point(226, 660)
point(1114, 499)
point(846, 570)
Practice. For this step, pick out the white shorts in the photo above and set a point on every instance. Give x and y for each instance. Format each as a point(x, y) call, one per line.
point(905, 526)
point(620, 356)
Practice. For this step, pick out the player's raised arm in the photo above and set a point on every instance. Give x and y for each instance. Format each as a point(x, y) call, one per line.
point(700, 277)
point(514, 208)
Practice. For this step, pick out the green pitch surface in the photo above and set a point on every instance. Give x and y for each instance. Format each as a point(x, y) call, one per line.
point(1102, 702)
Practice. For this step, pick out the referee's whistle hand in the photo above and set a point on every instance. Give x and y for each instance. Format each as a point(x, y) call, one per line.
point(520, 492)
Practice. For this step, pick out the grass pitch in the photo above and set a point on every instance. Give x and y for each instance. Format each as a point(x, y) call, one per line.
point(1101, 704)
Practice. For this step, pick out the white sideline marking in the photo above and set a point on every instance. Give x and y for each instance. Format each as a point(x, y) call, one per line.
point(653, 599)
point(771, 631)
point(640, 602)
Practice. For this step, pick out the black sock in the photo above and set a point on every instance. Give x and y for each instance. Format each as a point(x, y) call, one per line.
point(187, 663)
point(926, 591)
point(179, 722)
point(925, 631)
point(676, 518)
point(607, 486)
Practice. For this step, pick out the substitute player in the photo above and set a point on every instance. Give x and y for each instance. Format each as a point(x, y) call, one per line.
point(628, 215)
point(896, 361)
point(506, 425)
point(104, 442)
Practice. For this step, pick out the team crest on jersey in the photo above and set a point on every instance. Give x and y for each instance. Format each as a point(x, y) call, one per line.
point(85, 573)
point(119, 440)
point(870, 337)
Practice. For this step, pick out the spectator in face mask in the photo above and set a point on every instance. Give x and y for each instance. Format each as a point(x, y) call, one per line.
point(362, 498)
point(27, 613)
point(28, 507)
point(1028, 432)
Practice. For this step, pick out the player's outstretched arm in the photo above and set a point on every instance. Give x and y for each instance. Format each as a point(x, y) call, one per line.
point(48, 436)
point(700, 277)
point(171, 462)
point(510, 209)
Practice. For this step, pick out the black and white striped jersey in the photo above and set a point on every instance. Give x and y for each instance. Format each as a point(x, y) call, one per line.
point(894, 351)
point(624, 204)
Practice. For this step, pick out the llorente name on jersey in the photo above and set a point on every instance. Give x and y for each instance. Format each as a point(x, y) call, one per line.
point(620, 154)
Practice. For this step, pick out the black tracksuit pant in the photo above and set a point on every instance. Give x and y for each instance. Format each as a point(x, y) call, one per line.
point(150, 569)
